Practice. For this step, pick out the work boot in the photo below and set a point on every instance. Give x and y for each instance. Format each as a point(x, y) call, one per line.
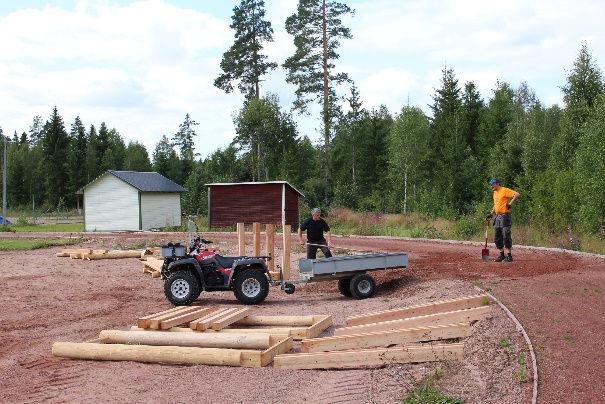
point(500, 258)
point(509, 258)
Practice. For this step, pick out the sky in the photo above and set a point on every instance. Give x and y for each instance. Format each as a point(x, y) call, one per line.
point(140, 66)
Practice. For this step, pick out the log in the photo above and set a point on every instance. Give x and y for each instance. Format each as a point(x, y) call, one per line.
point(256, 239)
point(241, 239)
point(386, 338)
point(297, 333)
point(463, 303)
point(175, 355)
point(459, 316)
point(270, 246)
point(369, 357)
point(230, 318)
point(277, 320)
point(285, 263)
point(68, 251)
point(190, 339)
point(113, 254)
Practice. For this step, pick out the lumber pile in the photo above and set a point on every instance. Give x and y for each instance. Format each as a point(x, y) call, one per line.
point(152, 266)
point(90, 254)
point(368, 339)
point(235, 336)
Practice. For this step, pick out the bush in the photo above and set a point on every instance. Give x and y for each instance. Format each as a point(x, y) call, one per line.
point(427, 231)
point(466, 227)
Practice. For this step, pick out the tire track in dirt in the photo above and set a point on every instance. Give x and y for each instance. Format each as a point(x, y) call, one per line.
point(48, 379)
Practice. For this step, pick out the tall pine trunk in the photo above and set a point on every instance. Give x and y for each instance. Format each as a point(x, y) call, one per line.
point(326, 112)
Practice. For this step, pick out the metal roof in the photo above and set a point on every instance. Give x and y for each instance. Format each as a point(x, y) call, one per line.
point(257, 183)
point(143, 181)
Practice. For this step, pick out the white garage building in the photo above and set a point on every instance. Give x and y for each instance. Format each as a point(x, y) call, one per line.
point(130, 200)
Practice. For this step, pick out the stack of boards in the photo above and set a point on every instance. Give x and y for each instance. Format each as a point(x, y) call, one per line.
point(237, 337)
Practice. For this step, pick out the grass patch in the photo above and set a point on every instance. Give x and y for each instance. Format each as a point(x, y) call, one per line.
point(35, 244)
point(60, 227)
point(425, 392)
point(505, 343)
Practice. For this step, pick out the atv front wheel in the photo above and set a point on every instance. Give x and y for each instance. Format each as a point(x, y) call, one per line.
point(181, 288)
point(251, 286)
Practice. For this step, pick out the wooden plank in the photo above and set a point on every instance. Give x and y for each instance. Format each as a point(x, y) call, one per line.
point(285, 262)
point(156, 274)
point(186, 317)
point(154, 263)
point(281, 346)
point(369, 357)
point(155, 321)
point(320, 324)
point(274, 274)
point(144, 322)
point(270, 246)
point(462, 303)
point(459, 316)
point(256, 239)
point(230, 318)
point(191, 339)
point(385, 338)
point(145, 353)
point(241, 239)
point(206, 322)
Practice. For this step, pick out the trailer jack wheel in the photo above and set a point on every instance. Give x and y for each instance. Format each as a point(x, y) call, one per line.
point(289, 288)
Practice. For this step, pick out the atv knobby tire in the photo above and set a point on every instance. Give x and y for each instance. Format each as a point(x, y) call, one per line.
point(344, 287)
point(362, 286)
point(251, 286)
point(181, 288)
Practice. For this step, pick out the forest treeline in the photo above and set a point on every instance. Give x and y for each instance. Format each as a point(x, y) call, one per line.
point(369, 159)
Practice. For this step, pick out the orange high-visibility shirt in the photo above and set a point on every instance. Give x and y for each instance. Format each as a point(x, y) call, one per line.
point(501, 198)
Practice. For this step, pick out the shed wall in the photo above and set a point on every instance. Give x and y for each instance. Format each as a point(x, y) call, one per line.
point(111, 204)
point(160, 209)
point(230, 204)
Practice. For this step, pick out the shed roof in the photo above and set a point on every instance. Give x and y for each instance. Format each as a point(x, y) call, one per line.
point(143, 181)
point(256, 183)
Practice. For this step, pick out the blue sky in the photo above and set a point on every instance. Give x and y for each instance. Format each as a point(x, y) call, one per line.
point(140, 66)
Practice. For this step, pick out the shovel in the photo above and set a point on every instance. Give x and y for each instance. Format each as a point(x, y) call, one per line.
point(485, 250)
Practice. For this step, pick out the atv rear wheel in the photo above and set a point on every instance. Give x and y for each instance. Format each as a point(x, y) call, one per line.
point(181, 288)
point(344, 287)
point(251, 286)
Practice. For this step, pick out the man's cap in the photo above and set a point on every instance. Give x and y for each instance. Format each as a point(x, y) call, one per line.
point(494, 181)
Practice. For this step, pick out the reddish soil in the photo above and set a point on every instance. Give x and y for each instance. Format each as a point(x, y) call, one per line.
point(558, 297)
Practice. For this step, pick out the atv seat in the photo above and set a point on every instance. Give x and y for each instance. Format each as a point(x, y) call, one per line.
point(226, 262)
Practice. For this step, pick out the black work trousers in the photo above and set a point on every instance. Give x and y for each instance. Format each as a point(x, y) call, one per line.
point(502, 234)
point(313, 246)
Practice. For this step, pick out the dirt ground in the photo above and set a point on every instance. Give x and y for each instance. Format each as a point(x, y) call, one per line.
point(558, 298)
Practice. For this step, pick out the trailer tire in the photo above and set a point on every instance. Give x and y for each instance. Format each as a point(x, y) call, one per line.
point(251, 286)
point(362, 286)
point(344, 287)
point(181, 288)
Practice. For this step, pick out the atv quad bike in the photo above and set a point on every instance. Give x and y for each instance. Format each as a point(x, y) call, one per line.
point(186, 275)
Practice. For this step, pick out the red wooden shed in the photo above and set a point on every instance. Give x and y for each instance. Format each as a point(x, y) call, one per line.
point(264, 202)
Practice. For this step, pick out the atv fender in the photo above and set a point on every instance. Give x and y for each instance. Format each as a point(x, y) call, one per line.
point(242, 264)
point(187, 264)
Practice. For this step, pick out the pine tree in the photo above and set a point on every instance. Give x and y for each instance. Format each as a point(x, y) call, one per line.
point(92, 161)
point(244, 62)
point(55, 144)
point(184, 139)
point(317, 29)
point(76, 159)
point(137, 158)
point(472, 113)
point(166, 161)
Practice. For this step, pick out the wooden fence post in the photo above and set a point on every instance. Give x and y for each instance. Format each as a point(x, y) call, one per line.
point(286, 254)
point(256, 238)
point(270, 244)
point(241, 239)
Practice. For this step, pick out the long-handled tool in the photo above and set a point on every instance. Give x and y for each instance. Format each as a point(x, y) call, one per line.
point(485, 250)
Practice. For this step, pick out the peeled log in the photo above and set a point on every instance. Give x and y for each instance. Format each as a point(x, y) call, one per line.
point(190, 339)
point(175, 355)
point(114, 254)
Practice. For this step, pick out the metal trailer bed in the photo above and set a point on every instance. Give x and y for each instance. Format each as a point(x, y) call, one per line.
point(350, 271)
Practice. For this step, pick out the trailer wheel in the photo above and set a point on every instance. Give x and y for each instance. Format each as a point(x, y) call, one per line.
point(251, 286)
point(344, 287)
point(362, 286)
point(181, 288)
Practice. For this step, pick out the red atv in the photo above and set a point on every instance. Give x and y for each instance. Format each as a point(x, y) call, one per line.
point(186, 275)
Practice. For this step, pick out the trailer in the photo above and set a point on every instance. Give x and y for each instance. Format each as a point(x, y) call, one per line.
point(350, 271)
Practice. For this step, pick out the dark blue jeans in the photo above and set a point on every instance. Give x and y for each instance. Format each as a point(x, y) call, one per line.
point(502, 235)
point(312, 249)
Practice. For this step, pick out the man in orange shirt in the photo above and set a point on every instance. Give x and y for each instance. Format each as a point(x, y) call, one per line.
point(503, 200)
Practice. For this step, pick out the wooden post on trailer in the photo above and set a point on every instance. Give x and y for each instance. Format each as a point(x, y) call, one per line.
point(256, 238)
point(285, 264)
point(270, 245)
point(241, 239)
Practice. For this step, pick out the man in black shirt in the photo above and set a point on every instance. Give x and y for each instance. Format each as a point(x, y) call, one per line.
point(315, 227)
